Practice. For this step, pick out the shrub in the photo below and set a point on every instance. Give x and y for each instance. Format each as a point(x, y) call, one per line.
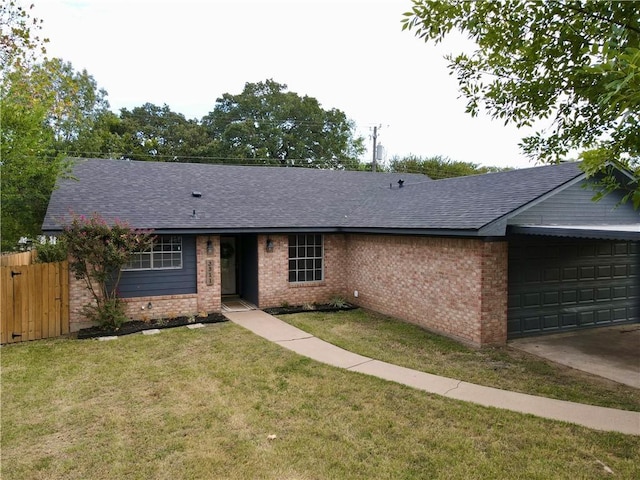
point(109, 314)
point(338, 302)
point(97, 252)
point(50, 250)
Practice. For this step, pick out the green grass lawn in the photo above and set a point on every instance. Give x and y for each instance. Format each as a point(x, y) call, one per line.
point(202, 404)
point(390, 340)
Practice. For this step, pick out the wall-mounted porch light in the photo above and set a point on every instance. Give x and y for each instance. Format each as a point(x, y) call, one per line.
point(209, 246)
point(269, 245)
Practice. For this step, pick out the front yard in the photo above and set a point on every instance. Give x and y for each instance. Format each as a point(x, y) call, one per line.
point(384, 338)
point(207, 403)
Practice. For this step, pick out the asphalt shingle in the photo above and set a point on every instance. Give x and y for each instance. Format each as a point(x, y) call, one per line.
point(158, 195)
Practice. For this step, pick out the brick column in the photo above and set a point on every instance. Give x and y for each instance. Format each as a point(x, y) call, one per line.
point(495, 259)
point(209, 296)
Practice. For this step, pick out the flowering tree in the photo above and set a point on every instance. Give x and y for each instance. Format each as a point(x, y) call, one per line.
point(98, 251)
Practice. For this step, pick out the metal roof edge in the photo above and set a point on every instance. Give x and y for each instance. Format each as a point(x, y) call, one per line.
point(572, 231)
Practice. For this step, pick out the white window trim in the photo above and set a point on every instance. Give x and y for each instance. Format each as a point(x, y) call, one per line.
point(172, 239)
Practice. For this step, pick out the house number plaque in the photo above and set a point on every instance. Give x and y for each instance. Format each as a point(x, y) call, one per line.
point(209, 272)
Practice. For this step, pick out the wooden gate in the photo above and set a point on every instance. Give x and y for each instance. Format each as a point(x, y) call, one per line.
point(34, 302)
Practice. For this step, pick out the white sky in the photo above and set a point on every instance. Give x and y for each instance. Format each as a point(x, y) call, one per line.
point(349, 54)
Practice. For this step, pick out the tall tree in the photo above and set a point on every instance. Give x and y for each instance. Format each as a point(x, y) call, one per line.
point(574, 63)
point(156, 133)
point(438, 167)
point(266, 124)
point(27, 170)
point(20, 42)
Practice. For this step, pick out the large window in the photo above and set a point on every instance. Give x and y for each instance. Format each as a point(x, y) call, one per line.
point(305, 258)
point(166, 253)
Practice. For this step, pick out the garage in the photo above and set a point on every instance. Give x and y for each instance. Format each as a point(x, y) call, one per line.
point(559, 284)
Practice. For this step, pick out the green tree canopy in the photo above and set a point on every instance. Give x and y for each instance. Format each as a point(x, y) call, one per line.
point(48, 111)
point(438, 167)
point(156, 133)
point(575, 64)
point(266, 124)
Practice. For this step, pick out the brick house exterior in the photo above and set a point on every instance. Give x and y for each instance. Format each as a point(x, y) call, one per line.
point(456, 287)
point(440, 254)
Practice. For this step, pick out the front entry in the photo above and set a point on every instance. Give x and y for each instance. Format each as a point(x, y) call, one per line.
point(239, 267)
point(228, 279)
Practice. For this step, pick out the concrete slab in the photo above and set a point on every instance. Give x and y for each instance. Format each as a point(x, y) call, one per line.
point(598, 418)
point(324, 352)
point(420, 380)
point(610, 352)
point(266, 325)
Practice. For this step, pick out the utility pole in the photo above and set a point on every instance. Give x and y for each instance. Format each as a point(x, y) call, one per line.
point(375, 138)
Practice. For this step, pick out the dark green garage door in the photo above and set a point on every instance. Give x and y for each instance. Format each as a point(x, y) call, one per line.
point(558, 284)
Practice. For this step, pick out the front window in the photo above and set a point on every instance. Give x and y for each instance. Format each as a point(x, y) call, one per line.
point(165, 253)
point(306, 253)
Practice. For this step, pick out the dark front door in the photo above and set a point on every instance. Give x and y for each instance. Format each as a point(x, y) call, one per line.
point(228, 266)
point(239, 266)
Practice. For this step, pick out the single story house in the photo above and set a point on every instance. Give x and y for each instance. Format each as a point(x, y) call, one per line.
point(481, 259)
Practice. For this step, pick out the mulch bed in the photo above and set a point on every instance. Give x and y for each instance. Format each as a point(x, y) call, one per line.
point(135, 326)
point(302, 308)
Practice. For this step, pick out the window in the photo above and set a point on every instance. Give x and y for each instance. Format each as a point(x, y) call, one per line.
point(305, 258)
point(165, 253)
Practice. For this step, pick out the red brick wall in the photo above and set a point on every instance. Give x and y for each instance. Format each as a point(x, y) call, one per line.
point(161, 306)
point(273, 273)
point(79, 296)
point(453, 286)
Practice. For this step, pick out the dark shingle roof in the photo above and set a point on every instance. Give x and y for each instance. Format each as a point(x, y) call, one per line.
point(235, 198)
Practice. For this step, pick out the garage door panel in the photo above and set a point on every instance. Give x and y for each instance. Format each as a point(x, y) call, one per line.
point(570, 273)
point(560, 284)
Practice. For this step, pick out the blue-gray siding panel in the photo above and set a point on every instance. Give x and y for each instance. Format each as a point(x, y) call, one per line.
point(573, 206)
point(146, 283)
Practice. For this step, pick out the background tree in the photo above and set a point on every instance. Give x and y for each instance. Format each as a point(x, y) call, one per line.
point(437, 167)
point(266, 124)
point(27, 169)
point(574, 63)
point(20, 44)
point(151, 132)
point(49, 111)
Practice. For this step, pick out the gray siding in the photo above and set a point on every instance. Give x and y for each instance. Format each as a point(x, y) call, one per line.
point(145, 283)
point(573, 206)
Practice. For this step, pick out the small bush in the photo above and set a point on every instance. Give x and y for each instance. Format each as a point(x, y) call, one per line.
point(110, 315)
point(338, 302)
point(51, 251)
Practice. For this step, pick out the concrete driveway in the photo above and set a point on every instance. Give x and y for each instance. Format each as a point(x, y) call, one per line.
point(610, 352)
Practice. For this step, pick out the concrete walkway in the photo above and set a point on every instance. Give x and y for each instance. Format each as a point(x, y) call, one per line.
point(285, 335)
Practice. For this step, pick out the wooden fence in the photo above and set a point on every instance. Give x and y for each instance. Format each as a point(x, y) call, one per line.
point(34, 302)
point(22, 258)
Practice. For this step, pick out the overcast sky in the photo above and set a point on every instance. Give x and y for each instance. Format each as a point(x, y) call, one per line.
point(349, 54)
